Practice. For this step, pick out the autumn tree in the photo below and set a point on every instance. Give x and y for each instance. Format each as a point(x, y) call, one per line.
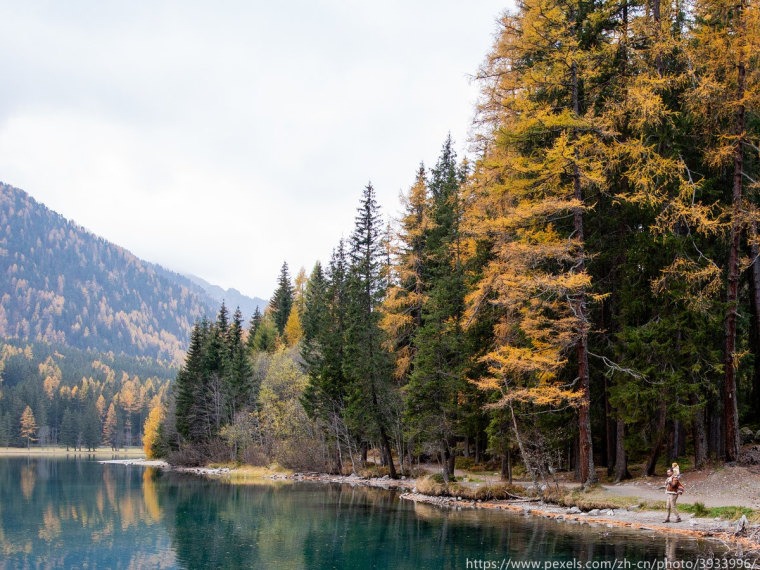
point(724, 102)
point(402, 306)
point(28, 426)
point(151, 435)
point(541, 164)
point(293, 330)
point(52, 376)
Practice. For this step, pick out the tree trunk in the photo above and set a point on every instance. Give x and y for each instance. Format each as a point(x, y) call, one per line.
point(447, 475)
point(659, 439)
point(699, 434)
point(386, 445)
point(730, 408)
point(621, 459)
point(505, 473)
point(754, 280)
point(609, 430)
point(715, 439)
point(530, 467)
point(676, 440)
point(587, 471)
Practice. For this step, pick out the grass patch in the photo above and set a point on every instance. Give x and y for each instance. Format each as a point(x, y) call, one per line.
point(697, 509)
point(434, 485)
point(728, 513)
point(252, 472)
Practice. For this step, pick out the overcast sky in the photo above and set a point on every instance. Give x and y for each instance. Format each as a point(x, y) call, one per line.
point(223, 138)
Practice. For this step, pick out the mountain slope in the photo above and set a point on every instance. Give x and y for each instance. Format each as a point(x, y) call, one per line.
point(61, 284)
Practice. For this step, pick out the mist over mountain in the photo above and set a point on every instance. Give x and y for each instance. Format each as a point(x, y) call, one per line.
point(63, 285)
point(231, 297)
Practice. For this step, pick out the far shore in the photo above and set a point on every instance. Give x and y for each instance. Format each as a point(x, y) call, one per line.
point(57, 451)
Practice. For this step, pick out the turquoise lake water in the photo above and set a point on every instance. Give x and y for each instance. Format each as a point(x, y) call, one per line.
point(58, 513)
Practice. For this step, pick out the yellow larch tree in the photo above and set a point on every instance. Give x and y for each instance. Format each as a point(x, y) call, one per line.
point(151, 429)
point(28, 426)
point(542, 159)
point(402, 306)
point(293, 330)
point(725, 104)
point(51, 375)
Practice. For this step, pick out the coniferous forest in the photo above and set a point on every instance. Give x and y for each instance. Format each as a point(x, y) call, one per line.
point(582, 293)
point(585, 293)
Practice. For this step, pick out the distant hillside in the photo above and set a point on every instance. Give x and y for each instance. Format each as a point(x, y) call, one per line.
point(231, 297)
point(63, 285)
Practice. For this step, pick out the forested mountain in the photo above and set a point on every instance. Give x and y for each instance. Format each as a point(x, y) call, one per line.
point(90, 335)
point(63, 285)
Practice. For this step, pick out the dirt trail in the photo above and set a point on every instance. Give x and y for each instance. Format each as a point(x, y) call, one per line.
point(727, 486)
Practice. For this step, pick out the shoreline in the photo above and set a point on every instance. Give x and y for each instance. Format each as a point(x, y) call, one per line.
point(55, 451)
point(710, 529)
point(744, 543)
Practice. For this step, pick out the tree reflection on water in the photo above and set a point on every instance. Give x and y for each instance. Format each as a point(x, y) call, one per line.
point(66, 513)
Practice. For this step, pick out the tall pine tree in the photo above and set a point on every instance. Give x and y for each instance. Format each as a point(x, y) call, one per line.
point(367, 366)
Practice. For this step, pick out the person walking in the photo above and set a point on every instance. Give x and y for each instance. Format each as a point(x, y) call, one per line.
point(673, 489)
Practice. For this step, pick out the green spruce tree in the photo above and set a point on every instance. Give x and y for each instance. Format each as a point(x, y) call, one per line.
point(367, 366)
point(282, 301)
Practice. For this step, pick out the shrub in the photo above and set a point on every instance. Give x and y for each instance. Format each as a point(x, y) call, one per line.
point(432, 485)
point(372, 471)
point(464, 463)
point(200, 454)
point(255, 455)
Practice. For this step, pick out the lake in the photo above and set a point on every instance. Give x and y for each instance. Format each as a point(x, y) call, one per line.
point(66, 513)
